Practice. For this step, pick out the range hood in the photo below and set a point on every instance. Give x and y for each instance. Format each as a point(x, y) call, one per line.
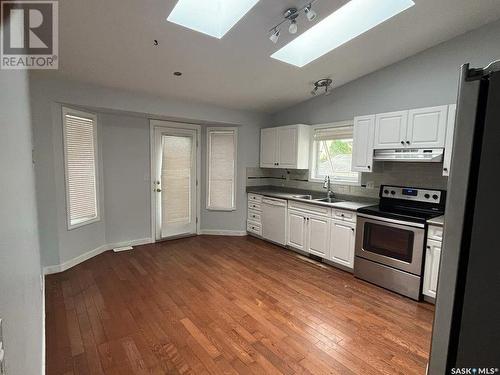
point(429, 155)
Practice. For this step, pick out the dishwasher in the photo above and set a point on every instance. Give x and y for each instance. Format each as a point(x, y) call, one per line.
point(274, 220)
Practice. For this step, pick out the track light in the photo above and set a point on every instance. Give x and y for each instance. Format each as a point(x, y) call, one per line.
point(310, 14)
point(324, 84)
point(275, 36)
point(291, 15)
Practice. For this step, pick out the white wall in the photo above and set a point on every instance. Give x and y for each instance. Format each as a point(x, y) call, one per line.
point(21, 302)
point(426, 79)
point(124, 141)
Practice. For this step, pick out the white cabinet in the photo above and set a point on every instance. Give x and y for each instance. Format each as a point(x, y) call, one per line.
point(416, 128)
point(342, 243)
point(297, 230)
point(448, 147)
point(427, 127)
point(254, 216)
point(285, 147)
point(318, 234)
point(431, 272)
point(390, 130)
point(268, 155)
point(362, 152)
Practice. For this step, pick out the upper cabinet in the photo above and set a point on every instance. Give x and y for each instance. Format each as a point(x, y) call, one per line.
point(416, 128)
point(285, 147)
point(390, 130)
point(362, 151)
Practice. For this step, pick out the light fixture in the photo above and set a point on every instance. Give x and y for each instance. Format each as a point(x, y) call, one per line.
point(310, 14)
point(275, 36)
point(346, 23)
point(322, 84)
point(214, 18)
point(290, 15)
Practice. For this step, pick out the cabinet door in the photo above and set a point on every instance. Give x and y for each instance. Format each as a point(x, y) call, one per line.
point(342, 243)
point(390, 130)
point(362, 146)
point(296, 230)
point(431, 272)
point(287, 147)
point(427, 127)
point(448, 144)
point(318, 235)
point(268, 144)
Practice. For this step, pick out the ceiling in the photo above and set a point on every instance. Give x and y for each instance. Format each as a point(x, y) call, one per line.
point(110, 43)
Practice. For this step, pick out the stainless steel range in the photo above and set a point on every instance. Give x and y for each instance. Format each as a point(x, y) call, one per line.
point(390, 237)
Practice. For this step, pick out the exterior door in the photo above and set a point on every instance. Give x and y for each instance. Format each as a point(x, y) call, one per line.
point(342, 244)
point(268, 144)
point(427, 127)
point(362, 153)
point(287, 147)
point(175, 164)
point(297, 230)
point(318, 234)
point(390, 130)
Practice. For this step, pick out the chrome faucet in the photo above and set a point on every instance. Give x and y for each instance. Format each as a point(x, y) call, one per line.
point(327, 185)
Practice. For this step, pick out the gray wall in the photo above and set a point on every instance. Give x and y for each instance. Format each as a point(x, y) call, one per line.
point(21, 303)
point(124, 138)
point(426, 79)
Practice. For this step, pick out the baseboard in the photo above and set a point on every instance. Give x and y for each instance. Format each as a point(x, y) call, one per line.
point(92, 253)
point(217, 232)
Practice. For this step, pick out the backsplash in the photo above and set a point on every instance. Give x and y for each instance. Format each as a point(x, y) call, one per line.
point(427, 175)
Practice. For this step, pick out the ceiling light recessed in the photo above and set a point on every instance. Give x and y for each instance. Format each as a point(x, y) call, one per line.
point(343, 25)
point(214, 18)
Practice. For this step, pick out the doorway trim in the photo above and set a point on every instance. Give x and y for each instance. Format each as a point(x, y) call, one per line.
point(153, 124)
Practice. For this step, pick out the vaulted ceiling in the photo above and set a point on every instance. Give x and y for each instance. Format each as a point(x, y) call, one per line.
point(110, 42)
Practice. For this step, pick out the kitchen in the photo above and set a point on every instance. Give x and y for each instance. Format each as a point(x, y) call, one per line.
point(249, 187)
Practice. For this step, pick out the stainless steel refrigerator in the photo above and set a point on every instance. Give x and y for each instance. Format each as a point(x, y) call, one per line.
point(466, 331)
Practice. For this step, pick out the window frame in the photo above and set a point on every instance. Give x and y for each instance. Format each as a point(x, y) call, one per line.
point(93, 117)
point(313, 154)
point(235, 179)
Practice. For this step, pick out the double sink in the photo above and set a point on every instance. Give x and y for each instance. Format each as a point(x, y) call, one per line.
point(310, 198)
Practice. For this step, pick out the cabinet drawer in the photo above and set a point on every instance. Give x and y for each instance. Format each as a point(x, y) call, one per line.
point(254, 206)
point(254, 216)
point(254, 198)
point(310, 208)
point(254, 228)
point(435, 233)
point(343, 215)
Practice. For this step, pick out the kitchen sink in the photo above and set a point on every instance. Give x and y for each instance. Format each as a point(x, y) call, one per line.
point(305, 196)
point(328, 200)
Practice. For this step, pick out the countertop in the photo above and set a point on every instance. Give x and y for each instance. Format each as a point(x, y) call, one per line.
point(348, 202)
point(438, 221)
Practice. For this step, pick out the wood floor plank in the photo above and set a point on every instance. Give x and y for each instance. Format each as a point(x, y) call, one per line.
point(227, 305)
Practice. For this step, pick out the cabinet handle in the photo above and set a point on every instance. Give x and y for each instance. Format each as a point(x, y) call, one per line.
point(428, 247)
point(445, 169)
point(369, 167)
point(407, 142)
point(402, 142)
point(352, 229)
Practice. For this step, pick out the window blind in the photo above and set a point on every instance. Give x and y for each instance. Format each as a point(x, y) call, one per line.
point(81, 169)
point(221, 148)
point(339, 132)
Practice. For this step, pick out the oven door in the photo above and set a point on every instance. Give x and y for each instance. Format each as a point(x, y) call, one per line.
point(391, 242)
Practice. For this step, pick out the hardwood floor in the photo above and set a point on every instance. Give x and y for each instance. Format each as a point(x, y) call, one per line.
point(227, 305)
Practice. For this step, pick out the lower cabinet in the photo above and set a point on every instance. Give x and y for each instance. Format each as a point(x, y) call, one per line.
point(318, 234)
point(342, 243)
point(297, 230)
point(431, 271)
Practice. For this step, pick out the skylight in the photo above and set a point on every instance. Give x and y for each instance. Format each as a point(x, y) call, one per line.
point(214, 18)
point(343, 25)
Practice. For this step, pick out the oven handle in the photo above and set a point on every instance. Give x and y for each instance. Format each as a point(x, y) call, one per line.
point(394, 221)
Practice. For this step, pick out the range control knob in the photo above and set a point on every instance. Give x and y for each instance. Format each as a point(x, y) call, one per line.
point(386, 191)
point(427, 196)
point(393, 192)
point(435, 196)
